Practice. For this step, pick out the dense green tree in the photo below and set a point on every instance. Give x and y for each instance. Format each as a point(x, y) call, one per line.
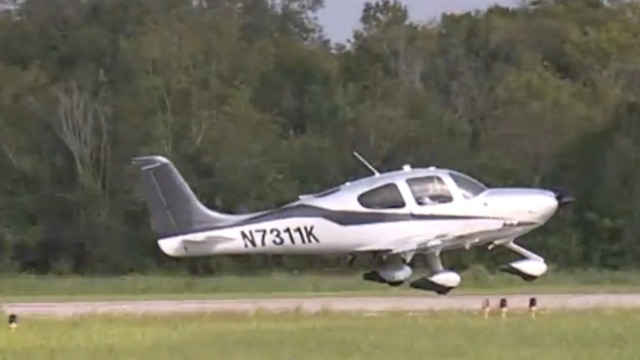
point(255, 106)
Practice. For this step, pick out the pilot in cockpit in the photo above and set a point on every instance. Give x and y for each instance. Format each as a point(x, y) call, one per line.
point(430, 190)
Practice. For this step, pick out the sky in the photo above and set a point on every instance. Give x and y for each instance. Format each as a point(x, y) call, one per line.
point(340, 17)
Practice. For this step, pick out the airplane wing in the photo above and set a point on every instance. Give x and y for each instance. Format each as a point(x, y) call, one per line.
point(425, 241)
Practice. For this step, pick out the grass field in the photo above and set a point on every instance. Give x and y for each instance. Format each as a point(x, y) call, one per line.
point(36, 288)
point(444, 335)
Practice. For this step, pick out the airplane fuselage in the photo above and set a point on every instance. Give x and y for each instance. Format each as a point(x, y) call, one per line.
point(317, 235)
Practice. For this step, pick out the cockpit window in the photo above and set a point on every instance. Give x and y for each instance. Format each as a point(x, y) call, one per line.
point(383, 197)
point(468, 186)
point(428, 190)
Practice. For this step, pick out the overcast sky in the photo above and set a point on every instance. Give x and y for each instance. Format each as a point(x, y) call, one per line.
point(340, 17)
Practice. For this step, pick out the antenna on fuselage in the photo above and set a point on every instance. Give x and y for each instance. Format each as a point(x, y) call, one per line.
point(366, 163)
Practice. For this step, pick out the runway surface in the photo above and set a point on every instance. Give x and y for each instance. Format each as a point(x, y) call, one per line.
point(310, 305)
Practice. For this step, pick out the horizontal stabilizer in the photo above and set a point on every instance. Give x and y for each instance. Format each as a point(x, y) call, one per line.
point(191, 245)
point(201, 239)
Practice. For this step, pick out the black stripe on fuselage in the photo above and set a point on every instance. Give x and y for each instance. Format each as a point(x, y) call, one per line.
point(340, 217)
point(345, 218)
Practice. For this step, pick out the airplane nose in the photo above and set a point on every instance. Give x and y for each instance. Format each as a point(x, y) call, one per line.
point(538, 204)
point(548, 205)
point(525, 204)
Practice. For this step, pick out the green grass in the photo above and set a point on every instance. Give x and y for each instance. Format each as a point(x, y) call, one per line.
point(444, 335)
point(475, 281)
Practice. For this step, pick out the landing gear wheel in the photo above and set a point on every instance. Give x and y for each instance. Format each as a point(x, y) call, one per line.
point(440, 281)
point(510, 270)
point(392, 274)
point(373, 276)
point(426, 284)
point(528, 269)
point(443, 291)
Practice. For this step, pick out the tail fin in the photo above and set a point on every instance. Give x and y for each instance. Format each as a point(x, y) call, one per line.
point(173, 207)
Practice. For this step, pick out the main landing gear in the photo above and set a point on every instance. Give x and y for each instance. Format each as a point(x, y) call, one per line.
point(395, 270)
point(440, 281)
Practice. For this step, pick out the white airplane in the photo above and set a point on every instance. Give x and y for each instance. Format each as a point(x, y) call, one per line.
point(393, 216)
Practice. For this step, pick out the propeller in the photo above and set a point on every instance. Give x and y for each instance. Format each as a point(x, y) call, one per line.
point(563, 198)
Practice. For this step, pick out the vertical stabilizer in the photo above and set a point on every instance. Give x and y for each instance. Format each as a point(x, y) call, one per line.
point(173, 207)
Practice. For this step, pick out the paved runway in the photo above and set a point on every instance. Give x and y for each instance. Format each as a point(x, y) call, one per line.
point(368, 304)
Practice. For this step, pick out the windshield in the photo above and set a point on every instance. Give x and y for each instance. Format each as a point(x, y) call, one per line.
point(327, 192)
point(468, 186)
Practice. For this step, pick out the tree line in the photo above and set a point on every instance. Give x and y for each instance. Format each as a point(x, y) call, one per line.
point(255, 105)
